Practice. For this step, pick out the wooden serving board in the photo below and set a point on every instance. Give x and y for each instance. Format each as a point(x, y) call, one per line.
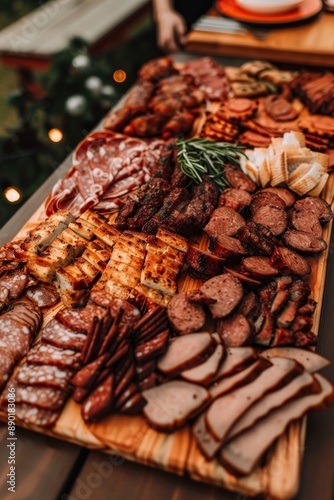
point(177, 452)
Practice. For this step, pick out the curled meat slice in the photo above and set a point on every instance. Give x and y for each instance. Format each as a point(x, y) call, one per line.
point(223, 293)
point(185, 316)
point(317, 205)
point(304, 220)
point(304, 242)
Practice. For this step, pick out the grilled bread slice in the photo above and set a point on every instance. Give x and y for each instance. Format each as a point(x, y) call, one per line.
point(43, 267)
point(163, 282)
point(159, 247)
point(159, 263)
point(74, 241)
point(47, 231)
point(155, 295)
point(172, 239)
point(97, 253)
point(121, 254)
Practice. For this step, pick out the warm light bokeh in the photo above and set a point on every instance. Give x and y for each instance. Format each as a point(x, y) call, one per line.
point(55, 135)
point(119, 75)
point(12, 194)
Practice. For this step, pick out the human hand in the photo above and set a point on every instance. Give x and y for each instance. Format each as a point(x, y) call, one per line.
point(171, 32)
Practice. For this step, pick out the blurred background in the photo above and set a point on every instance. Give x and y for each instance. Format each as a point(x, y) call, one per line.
point(44, 119)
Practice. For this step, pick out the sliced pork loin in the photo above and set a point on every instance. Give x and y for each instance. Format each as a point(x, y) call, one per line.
point(172, 404)
point(237, 199)
point(222, 293)
point(304, 220)
point(316, 205)
point(236, 358)
point(185, 352)
point(202, 264)
point(242, 454)
point(296, 387)
point(204, 373)
point(304, 242)
point(184, 315)
point(224, 221)
point(233, 405)
point(310, 360)
point(235, 330)
point(289, 261)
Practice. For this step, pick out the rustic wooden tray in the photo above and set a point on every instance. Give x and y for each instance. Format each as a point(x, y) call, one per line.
point(177, 452)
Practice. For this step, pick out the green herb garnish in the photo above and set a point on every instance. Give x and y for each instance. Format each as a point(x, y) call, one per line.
point(199, 158)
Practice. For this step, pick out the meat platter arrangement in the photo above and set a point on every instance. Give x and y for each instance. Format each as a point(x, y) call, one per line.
point(165, 300)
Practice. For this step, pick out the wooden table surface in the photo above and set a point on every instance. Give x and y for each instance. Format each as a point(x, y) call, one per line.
point(49, 469)
point(309, 44)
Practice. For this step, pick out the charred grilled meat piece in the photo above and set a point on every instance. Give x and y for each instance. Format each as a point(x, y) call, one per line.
point(257, 239)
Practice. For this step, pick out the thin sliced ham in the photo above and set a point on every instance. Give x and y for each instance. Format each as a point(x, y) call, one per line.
point(170, 405)
point(243, 453)
point(311, 361)
point(238, 379)
point(235, 359)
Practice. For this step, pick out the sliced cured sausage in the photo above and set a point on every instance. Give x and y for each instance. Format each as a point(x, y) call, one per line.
point(58, 335)
point(272, 217)
point(264, 198)
point(47, 354)
point(259, 267)
point(152, 348)
point(42, 397)
point(224, 220)
point(223, 293)
point(287, 196)
point(171, 404)
point(237, 199)
point(34, 416)
point(304, 220)
point(288, 260)
point(7, 363)
point(202, 264)
point(238, 179)
point(235, 331)
point(185, 352)
point(304, 242)
point(185, 316)
point(257, 239)
point(317, 205)
point(99, 402)
point(44, 376)
point(43, 296)
point(226, 247)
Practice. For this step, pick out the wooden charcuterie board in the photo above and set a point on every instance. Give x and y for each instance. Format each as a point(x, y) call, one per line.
point(177, 452)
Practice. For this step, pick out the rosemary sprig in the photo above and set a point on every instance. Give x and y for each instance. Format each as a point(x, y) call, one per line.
point(199, 158)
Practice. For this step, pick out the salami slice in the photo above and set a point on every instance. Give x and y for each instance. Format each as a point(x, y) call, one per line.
point(15, 337)
point(44, 376)
point(99, 402)
point(58, 335)
point(36, 416)
point(43, 296)
point(152, 348)
point(88, 374)
point(78, 320)
point(134, 405)
point(15, 282)
point(7, 363)
point(47, 354)
point(42, 397)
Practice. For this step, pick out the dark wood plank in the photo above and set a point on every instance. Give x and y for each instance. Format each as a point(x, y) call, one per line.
point(43, 465)
point(111, 476)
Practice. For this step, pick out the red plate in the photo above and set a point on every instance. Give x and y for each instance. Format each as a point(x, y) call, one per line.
point(308, 10)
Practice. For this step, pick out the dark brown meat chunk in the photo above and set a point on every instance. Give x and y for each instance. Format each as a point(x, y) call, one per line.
point(224, 220)
point(235, 331)
point(304, 220)
point(260, 267)
point(203, 264)
point(179, 125)
point(264, 198)
point(288, 260)
point(227, 247)
point(145, 126)
point(303, 242)
point(257, 239)
point(177, 197)
point(235, 198)
point(287, 196)
point(273, 218)
point(185, 316)
point(156, 69)
point(317, 205)
point(238, 179)
point(223, 293)
point(305, 339)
